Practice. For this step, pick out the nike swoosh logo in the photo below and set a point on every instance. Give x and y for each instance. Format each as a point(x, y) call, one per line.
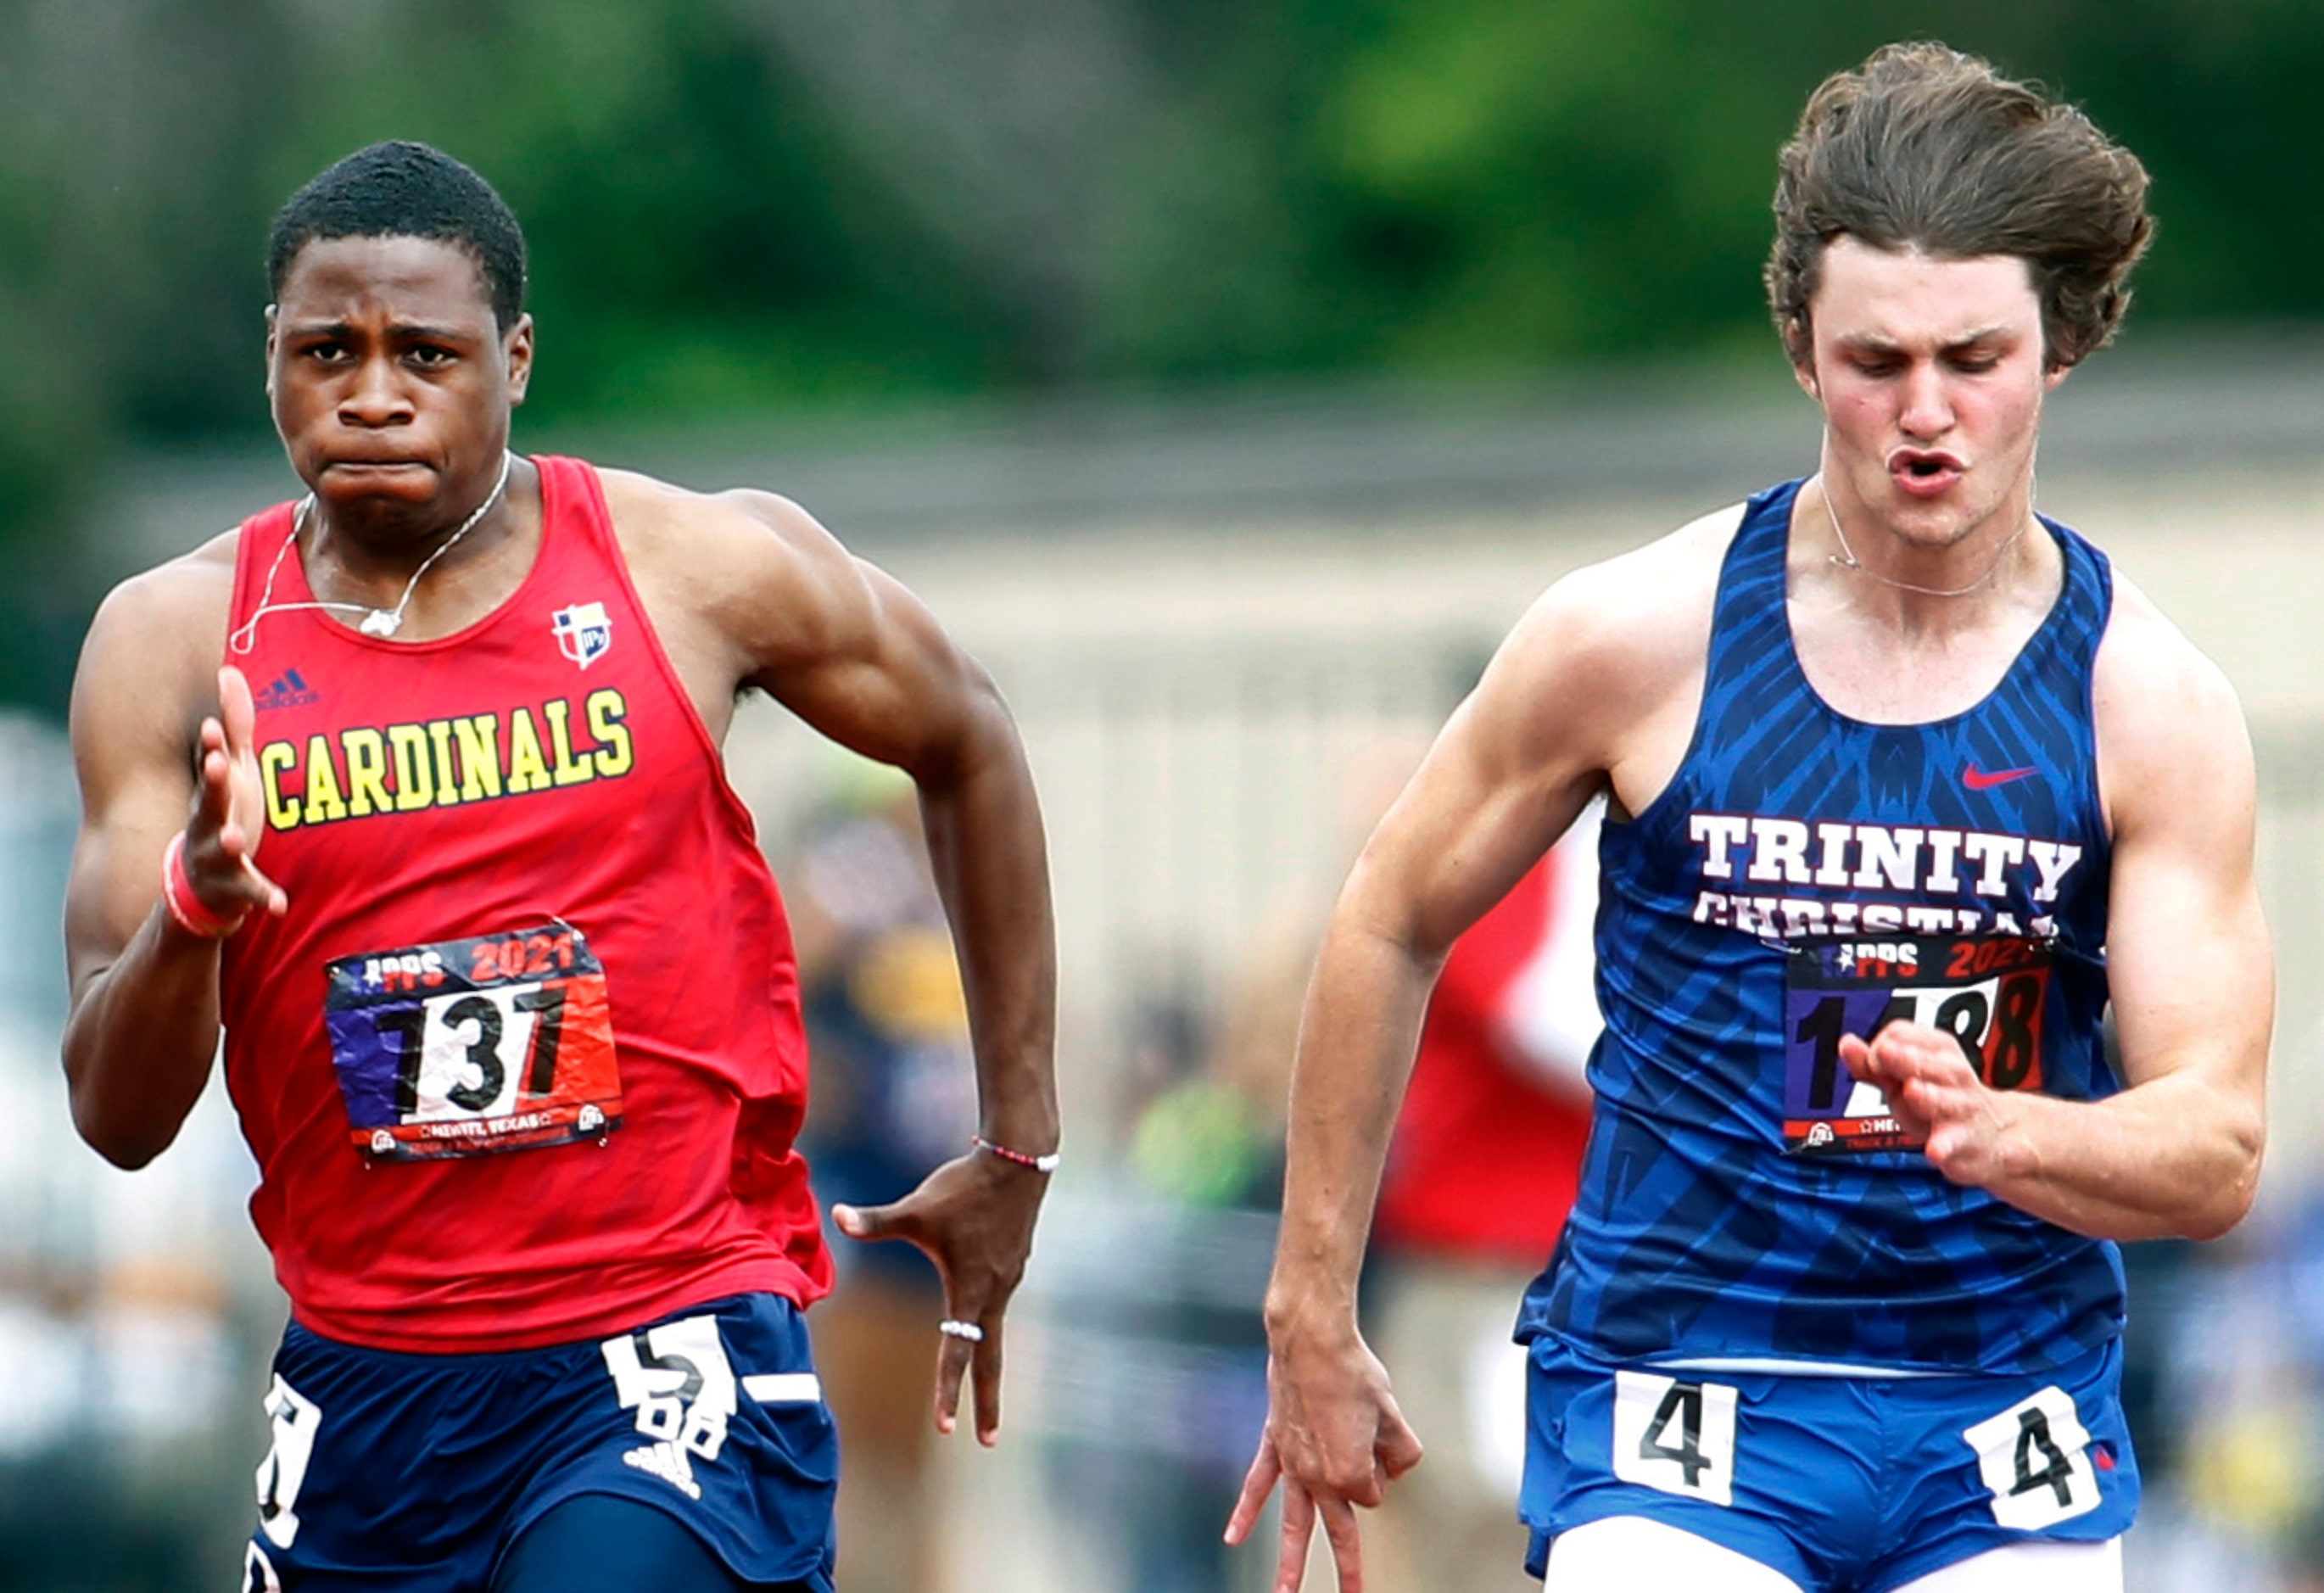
point(1976, 779)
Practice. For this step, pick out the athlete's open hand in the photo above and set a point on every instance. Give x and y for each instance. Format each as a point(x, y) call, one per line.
point(1335, 1440)
point(1937, 1096)
point(974, 1218)
point(229, 816)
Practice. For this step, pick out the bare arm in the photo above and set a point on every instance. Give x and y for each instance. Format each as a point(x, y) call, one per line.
point(858, 658)
point(910, 698)
point(1592, 691)
point(2178, 1152)
point(145, 1019)
point(1483, 807)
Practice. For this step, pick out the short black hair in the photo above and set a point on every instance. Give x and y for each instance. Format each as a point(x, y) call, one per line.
point(402, 189)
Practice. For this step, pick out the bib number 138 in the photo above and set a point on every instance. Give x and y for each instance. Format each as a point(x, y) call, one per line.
point(466, 1047)
point(1987, 994)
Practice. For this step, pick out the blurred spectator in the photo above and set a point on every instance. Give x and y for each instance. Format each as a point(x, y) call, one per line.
point(1213, 1138)
point(132, 1310)
point(1152, 1362)
point(894, 1091)
point(1480, 1176)
point(1178, 1319)
point(2245, 1381)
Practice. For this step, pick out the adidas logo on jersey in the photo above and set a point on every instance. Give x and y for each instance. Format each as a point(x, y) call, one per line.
point(287, 690)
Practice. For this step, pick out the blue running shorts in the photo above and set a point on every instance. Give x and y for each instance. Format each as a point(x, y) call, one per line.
point(1859, 1482)
point(418, 1471)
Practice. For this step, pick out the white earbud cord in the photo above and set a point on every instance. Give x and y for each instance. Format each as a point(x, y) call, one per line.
point(381, 622)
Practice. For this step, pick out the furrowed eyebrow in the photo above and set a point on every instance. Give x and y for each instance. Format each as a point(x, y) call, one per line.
point(402, 332)
point(1874, 343)
point(412, 332)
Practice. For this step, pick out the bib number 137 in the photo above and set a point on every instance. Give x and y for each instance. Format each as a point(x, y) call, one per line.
point(468, 1047)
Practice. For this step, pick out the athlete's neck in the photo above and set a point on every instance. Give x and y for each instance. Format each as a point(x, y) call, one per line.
point(383, 537)
point(434, 583)
point(369, 544)
point(1921, 579)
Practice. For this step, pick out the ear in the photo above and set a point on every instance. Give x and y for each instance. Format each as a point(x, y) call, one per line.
point(1799, 347)
point(270, 320)
point(2054, 375)
point(516, 349)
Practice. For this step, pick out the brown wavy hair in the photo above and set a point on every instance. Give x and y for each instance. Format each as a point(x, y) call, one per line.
point(1924, 148)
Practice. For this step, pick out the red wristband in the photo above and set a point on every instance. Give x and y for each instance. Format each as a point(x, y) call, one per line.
point(185, 907)
point(1042, 1164)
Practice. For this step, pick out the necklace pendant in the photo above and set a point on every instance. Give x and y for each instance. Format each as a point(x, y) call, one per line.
point(381, 622)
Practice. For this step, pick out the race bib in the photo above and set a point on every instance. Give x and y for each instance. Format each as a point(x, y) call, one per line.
point(465, 1047)
point(1988, 994)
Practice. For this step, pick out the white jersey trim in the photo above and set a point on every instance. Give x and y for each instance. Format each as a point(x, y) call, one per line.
point(1781, 1366)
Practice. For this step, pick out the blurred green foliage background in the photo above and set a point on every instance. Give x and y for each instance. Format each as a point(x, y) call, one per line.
point(743, 207)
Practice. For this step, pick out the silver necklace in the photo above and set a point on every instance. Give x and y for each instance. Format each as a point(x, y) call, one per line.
point(1846, 558)
point(380, 623)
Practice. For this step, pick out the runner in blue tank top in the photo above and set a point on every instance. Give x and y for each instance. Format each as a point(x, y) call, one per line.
point(1906, 786)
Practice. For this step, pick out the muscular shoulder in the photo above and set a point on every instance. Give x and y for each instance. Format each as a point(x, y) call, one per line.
point(2171, 734)
point(1616, 650)
point(1642, 607)
point(191, 591)
point(747, 571)
point(152, 654)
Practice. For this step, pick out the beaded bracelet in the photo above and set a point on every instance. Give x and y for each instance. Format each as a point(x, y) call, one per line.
point(1041, 1164)
point(185, 907)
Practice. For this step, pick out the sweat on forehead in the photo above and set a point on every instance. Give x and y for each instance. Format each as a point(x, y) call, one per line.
point(405, 189)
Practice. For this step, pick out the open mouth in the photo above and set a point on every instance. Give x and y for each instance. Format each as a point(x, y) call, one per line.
point(1921, 472)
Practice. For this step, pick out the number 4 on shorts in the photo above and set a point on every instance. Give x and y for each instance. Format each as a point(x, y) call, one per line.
point(2035, 1457)
point(1675, 1437)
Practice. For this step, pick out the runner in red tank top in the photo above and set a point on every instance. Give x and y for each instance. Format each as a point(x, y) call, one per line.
point(509, 1005)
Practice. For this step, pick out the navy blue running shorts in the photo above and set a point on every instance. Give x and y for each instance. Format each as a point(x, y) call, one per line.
point(1865, 1482)
point(416, 1473)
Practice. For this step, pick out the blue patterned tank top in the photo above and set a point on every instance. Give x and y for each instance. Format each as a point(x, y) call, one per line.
point(1805, 876)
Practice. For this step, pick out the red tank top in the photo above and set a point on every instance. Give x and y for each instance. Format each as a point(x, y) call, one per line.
point(524, 1062)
